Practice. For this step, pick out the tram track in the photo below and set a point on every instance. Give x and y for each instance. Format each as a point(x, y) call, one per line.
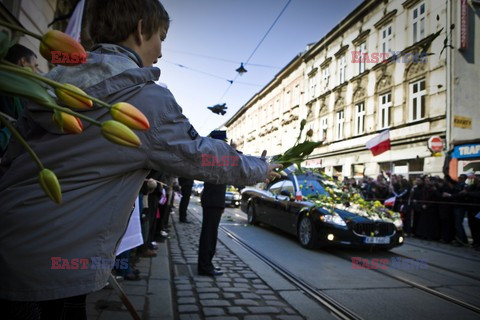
point(419, 286)
point(442, 251)
point(335, 307)
point(456, 272)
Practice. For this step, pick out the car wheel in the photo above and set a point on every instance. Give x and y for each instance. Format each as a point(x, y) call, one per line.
point(307, 234)
point(252, 219)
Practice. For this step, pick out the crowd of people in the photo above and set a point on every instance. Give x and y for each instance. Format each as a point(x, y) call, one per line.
point(432, 208)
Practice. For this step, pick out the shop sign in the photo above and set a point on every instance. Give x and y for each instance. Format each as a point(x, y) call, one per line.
point(467, 151)
point(462, 122)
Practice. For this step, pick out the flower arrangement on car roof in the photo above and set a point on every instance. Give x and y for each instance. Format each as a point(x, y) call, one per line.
point(348, 199)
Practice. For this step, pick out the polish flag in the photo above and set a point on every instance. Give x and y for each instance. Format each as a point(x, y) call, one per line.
point(390, 202)
point(380, 143)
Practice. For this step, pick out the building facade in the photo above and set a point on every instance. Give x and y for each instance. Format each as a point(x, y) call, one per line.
point(384, 67)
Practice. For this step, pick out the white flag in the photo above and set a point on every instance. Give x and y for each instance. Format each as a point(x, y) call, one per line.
point(74, 26)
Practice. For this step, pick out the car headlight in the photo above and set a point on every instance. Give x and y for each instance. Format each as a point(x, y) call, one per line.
point(333, 219)
point(237, 197)
point(398, 224)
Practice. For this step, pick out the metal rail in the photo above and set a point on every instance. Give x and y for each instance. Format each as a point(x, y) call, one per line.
point(422, 287)
point(441, 251)
point(463, 274)
point(333, 306)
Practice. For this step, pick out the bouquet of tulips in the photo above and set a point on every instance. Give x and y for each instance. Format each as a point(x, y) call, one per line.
point(21, 82)
point(300, 151)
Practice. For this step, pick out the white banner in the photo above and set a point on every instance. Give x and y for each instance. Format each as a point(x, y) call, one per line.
point(74, 26)
point(133, 236)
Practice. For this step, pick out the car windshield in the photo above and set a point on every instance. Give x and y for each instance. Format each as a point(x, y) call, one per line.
point(310, 186)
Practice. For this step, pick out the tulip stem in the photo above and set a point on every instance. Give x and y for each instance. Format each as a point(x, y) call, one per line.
point(50, 82)
point(22, 141)
point(20, 29)
point(73, 113)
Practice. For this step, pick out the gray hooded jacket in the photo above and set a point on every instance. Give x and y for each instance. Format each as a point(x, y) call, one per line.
point(100, 180)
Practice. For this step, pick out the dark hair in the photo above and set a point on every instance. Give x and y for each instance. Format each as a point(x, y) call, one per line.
point(113, 21)
point(17, 52)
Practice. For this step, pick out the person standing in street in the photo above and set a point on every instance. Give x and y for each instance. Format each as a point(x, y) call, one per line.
point(186, 185)
point(213, 205)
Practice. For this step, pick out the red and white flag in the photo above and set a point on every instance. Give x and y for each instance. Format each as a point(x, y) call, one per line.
point(390, 202)
point(380, 143)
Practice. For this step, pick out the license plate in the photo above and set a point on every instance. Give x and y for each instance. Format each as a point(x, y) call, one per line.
point(377, 240)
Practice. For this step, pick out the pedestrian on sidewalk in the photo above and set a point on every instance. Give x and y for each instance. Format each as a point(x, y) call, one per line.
point(186, 186)
point(100, 180)
point(213, 205)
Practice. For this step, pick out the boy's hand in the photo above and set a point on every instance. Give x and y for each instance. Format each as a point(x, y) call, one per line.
point(272, 174)
point(272, 169)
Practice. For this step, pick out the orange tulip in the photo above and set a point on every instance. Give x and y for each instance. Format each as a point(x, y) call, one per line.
point(129, 116)
point(68, 123)
point(49, 182)
point(73, 100)
point(60, 48)
point(119, 133)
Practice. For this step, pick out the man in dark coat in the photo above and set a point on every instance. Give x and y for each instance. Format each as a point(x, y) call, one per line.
point(213, 205)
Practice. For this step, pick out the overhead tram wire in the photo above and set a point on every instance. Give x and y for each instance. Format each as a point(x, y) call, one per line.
point(258, 45)
point(221, 59)
point(210, 74)
point(253, 52)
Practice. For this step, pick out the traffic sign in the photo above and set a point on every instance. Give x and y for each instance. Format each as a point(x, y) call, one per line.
point(435, 144)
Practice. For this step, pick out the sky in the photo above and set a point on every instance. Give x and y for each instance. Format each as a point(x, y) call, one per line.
point(210, 38)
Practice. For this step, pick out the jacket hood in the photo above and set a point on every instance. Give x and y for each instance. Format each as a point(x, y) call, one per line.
point(110, 71)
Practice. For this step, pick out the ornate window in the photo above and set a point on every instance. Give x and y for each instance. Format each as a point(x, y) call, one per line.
point(340, 124)
point(342, 68)
point(385, 112)
point(325, 78)
point(386, 35)
point(417, 100)
point(323, 128)
point(359, 118)
point(362, 48)
point(419, 17)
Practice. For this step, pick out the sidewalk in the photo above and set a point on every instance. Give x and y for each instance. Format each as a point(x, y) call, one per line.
point(151, 296)
point(171, 289)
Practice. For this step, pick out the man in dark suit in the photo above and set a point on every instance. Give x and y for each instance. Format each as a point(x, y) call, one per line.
point(213, 205)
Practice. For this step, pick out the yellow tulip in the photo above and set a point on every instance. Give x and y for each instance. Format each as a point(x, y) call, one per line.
point(73, 100)
point(60, 48)
point(49, 183)
point(129, 116)
point(68, 123)
point(119, 133)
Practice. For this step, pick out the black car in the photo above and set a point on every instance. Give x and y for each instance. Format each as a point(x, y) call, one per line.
point(290, 204)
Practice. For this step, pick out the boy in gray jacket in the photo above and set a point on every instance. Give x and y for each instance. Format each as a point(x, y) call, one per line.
point(47, 250)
